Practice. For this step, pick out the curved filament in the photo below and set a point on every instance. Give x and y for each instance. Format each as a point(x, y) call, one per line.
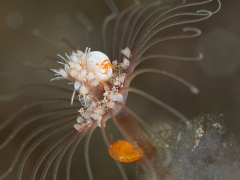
point(45, 60)
point(126, 24)
point(42, 138)
point(135, 20)
point(138, 48)
point(124, 176)
point(43, 35)
point(114, 14)
point(143, 21)
point(66, 143)
point(151, 29)
point(157, 20)
point(80, 135)
point(134, 134)
point(157, 101)
point(157, 40)
point(32, 119)
point(151, 56)
point(88, 26)
point(61, 154)
point(86, 147)
point(20, 75)
point(26, 140)
point(145, 125)
point(28, 105)
point(22, 89)
point(115, 30)
point(49, 149)
point(192, 88)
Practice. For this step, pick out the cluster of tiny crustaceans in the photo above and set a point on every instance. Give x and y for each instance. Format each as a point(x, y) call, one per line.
point(90, 69)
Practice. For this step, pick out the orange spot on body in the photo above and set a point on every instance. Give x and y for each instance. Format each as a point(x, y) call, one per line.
point(105, 61)
point(125, 152)
point(105, 65)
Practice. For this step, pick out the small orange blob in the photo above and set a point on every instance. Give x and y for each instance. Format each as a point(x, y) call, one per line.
point(125, 152)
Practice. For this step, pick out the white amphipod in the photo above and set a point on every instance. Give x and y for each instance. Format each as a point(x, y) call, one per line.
point(83, 124)
point(126, 52)
point(99, 64)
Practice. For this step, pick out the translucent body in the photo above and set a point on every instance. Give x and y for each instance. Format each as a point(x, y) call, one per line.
point(99, 64)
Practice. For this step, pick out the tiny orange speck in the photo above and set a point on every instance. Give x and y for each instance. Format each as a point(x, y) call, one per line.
point(125, 152)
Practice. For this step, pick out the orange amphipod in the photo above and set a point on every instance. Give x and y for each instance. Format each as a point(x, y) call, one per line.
point(125, 152)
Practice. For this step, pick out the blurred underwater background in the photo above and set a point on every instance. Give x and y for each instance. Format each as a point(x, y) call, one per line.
point(217, 75)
